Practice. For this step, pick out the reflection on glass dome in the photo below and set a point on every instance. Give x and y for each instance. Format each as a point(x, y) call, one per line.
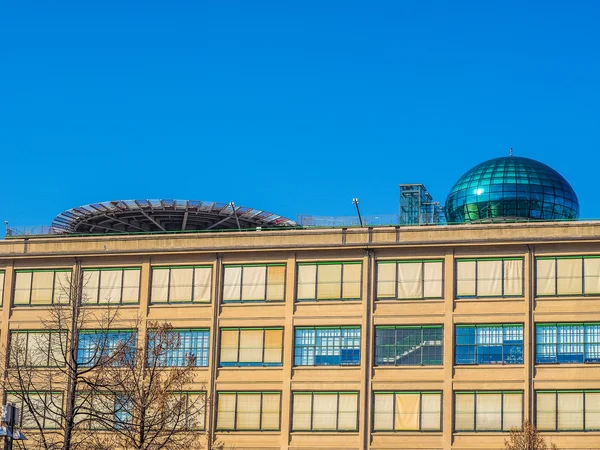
point(511, 188)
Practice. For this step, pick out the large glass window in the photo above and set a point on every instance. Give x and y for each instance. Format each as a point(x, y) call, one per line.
point(409, 345)
point(41, 287)
point(568, 410)
point(111, 285)
point(254, 283)
point(325, 411)
point(95, 344)
point(100, 411)
point(488, 411)
point(327, 346)
point(565, 343)
point(489, 277)
point(181, 284)
point(248, 411)
point(410, 279)
point(489, 344)
point(251, 347)
point(568, 275)
point(37, 348)
point(37, 409)
point(182, 347)
point(408, 411)
point(329, 281)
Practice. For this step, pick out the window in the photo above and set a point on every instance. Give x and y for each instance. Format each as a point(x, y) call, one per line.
point(1, 286)
point(489, 344)
point(409, 345)
point(488, 411)
point(325, 411)
point(177, 348)
point(251, 346)
point(568, 275)
point(193, 407)
point(568, 410)
point(42, 287)
point(408, 411)
point(565, 343)
point(409, 279)
point(37, 409)
point(248, 411)
point(491, 277)
point(102, 411)
point(94, 345)
point(329, 281)
point(114, 285)
point(190, 284)
point(37, 348)
point(254, 283)
point(337, 346)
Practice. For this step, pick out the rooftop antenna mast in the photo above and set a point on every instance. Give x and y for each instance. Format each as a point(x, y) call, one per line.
point(355, 203)
point(510, 153)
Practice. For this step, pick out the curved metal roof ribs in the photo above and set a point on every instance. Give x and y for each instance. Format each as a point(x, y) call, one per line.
point(153, 215)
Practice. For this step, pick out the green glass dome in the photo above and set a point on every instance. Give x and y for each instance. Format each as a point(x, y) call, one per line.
point(511, 188)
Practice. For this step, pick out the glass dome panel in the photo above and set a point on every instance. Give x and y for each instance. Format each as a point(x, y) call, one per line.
point(511, 188)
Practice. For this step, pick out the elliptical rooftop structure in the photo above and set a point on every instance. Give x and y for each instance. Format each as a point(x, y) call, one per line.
point(511, 188)
point(142, 216)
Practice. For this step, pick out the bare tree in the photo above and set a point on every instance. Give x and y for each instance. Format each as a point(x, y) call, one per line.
point(45, 375)
point(150, 384)
point(527, 438)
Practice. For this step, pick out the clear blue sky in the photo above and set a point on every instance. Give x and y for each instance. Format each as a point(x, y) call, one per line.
point(292, 107)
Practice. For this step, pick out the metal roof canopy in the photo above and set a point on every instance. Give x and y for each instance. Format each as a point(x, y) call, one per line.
point(139, 216)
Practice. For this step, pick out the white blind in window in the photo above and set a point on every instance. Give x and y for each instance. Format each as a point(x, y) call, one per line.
point(569, 276)
point(270, 411)
point(465, 412)
point(302, 413)
point(160, 285)
point(410, 280)
point(202, 284)
point(351, 285)
point(592, 275)
point(384, 412)
point(325, 411)
point(232, 280)
point(465, 278)
point(489, 278)
point(513, 277)
point(347, 414)
point(407, 412)
point(248, 412)
point(570, 410)
point(254, 283)
point(329, 281)
point(432, 283)
point(307, 279)
point(226, 411)
point(546, 410)
point(431, 411)
point(489, 412)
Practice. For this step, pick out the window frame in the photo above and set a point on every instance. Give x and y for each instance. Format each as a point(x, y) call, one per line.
point(317, 264)
point(501, 412)
point(502, 281)
point(394, 406)
point(169, 287)
point(92, 362)
point(556, 409)
point(409, 261)
point(22, 407)
point(32, 271)
point(556, 345)
point(14, 332)
point(476, 346)
point(205, 352)
point(340, 347)
point(556, 277)
point(337, 411)
point(239, 363)
point(405, 327)
point(100, 302)
point(235, 411)
point(241, 288)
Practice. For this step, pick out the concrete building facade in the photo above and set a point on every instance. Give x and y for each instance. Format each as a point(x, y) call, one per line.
point(438, 337)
